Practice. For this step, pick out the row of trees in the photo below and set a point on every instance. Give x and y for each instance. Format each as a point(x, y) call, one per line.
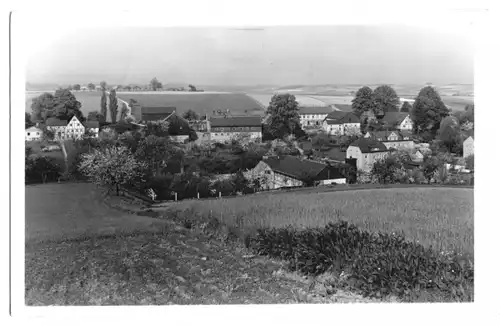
point(154, 84)
point(62, 105)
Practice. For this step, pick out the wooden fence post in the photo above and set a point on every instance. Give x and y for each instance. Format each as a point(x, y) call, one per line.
point(198, 195)
point(175, 196)
point(220, 194)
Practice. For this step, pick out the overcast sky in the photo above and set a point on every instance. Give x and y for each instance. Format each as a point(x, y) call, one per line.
point(277, 55)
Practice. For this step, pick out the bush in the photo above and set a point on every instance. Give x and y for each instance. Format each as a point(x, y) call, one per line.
point(376, 264)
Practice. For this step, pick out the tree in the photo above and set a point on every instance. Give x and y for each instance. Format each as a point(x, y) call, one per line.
point(67, 105)
point(124, 112)
point(91, 86)
point(154, 151)
point(428, 111)
point(96, 116)
point(27, 120)
point(368, 121)
point(42, 107)
point(283, 113)
point(385, 99)
point(406, 107)
point(113, 105)
point(155, 84)
point(104, 104)
point(450, 134)
point(469, 162)
point(40, 168)
point(386, 170)
point(112, 167)
point(191, 115)
point(362, 101)
point(103, 85)
point(192, 88)
point(76, 87)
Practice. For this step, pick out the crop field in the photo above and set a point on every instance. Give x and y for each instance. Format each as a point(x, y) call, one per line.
point(303, 100)
point(439, 217)
point(203, 102)
point(457, 103)
point(333, 99)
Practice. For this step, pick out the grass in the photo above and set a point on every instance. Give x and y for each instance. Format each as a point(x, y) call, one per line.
point(57, 155)
point(79, 251)
point(442, 218)
point(199, 102)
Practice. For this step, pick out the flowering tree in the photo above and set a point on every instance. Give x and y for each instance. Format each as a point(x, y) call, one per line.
point(111, 167)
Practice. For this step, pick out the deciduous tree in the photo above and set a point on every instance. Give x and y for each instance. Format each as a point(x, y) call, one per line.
point(191, 115)
point(362, 101)
point(406, 107)
point(91, 87)
point(155, 84)
point(428, 111)
point(283, 115)
point(76, 87)
point(113, 105)
point(385, 99)
point(104, 103)
point(112, 167)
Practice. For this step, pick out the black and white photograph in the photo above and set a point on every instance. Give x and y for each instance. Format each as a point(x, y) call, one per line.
point(246, 164)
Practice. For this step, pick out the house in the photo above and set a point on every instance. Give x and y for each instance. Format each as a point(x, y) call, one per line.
point(151, 113)
point(392, 139)
point(223, 129)
point(468, 146)
point(292, 171)
point(92, 127)
point(33, 133)
point(72, 129)
point(341, 123)
point(313, 116)
point(366, 151)
point(417, 156)
point(397, 120)
point(335, 153)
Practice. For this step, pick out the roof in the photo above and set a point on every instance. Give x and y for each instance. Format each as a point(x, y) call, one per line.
point(55, 122)
point(394, 118)
point(92, 124)
point(334, 153)
point(315, 110)
point(236, 122)
point(405, 133)
point(33, 128)
point(295, 167)
point(178, 126)
point(384, 134)
point(339, 117)
point(343, 107)
point(367, 145)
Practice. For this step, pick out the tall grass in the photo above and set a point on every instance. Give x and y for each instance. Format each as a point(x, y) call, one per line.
point(441, 218)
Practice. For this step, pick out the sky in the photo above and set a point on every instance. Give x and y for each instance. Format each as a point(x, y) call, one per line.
point(362, 54)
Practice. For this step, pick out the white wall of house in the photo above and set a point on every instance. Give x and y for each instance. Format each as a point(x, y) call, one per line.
point(364, 161)
point(468, 146)
point(33, 133)
point(312, 119)
point(342, 129)
point(406, 124)
point(400, 144)
point(331, 181)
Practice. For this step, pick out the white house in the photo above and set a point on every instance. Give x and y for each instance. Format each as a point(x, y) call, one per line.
point(226, 128)
point(366, 151)
point(398, 120)
point(313, 116)
point(33, 133)
point(468, 146)
point(341, 123)
point(392, 139)
point(66, 129)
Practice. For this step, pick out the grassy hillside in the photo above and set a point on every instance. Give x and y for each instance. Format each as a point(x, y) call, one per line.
point(441, 217)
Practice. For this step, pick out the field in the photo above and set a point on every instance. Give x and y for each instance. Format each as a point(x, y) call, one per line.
point(202, 103)
point(303, 100)
point(81, 251)
point(442, 218)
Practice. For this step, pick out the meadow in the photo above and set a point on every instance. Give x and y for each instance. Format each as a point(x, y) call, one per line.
point(442, 218)
point(303, 100)
point(202, 102)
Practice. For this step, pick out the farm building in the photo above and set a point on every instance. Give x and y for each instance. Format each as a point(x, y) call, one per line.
point(65, 129)
point(33, 133)
point(291, 171)
point(151, 113)
point(366, 151)
point(224, 129)
point(313, 116)
point(392, 139)
point(341, 123)
point(398, 120)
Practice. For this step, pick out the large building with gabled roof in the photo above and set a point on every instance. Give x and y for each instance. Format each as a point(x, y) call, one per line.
point(366, 151)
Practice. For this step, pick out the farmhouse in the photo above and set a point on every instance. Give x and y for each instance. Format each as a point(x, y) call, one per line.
point(391, 139)
point(468, 146)
point(366, 151)
point(63, 129)
point(291, 171)
point(341, 123)
point(313, 116)
point(398, 120)
point(33, 133)
point(223, 129)
point(151, 113)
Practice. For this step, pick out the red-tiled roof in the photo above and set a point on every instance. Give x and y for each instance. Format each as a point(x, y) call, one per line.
point(55, 122)
point(92, 124)
point(340, 117)
point(394, 118)
point(295, 167)
point(315, 110)
point(236, 122)
point(367, 145)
